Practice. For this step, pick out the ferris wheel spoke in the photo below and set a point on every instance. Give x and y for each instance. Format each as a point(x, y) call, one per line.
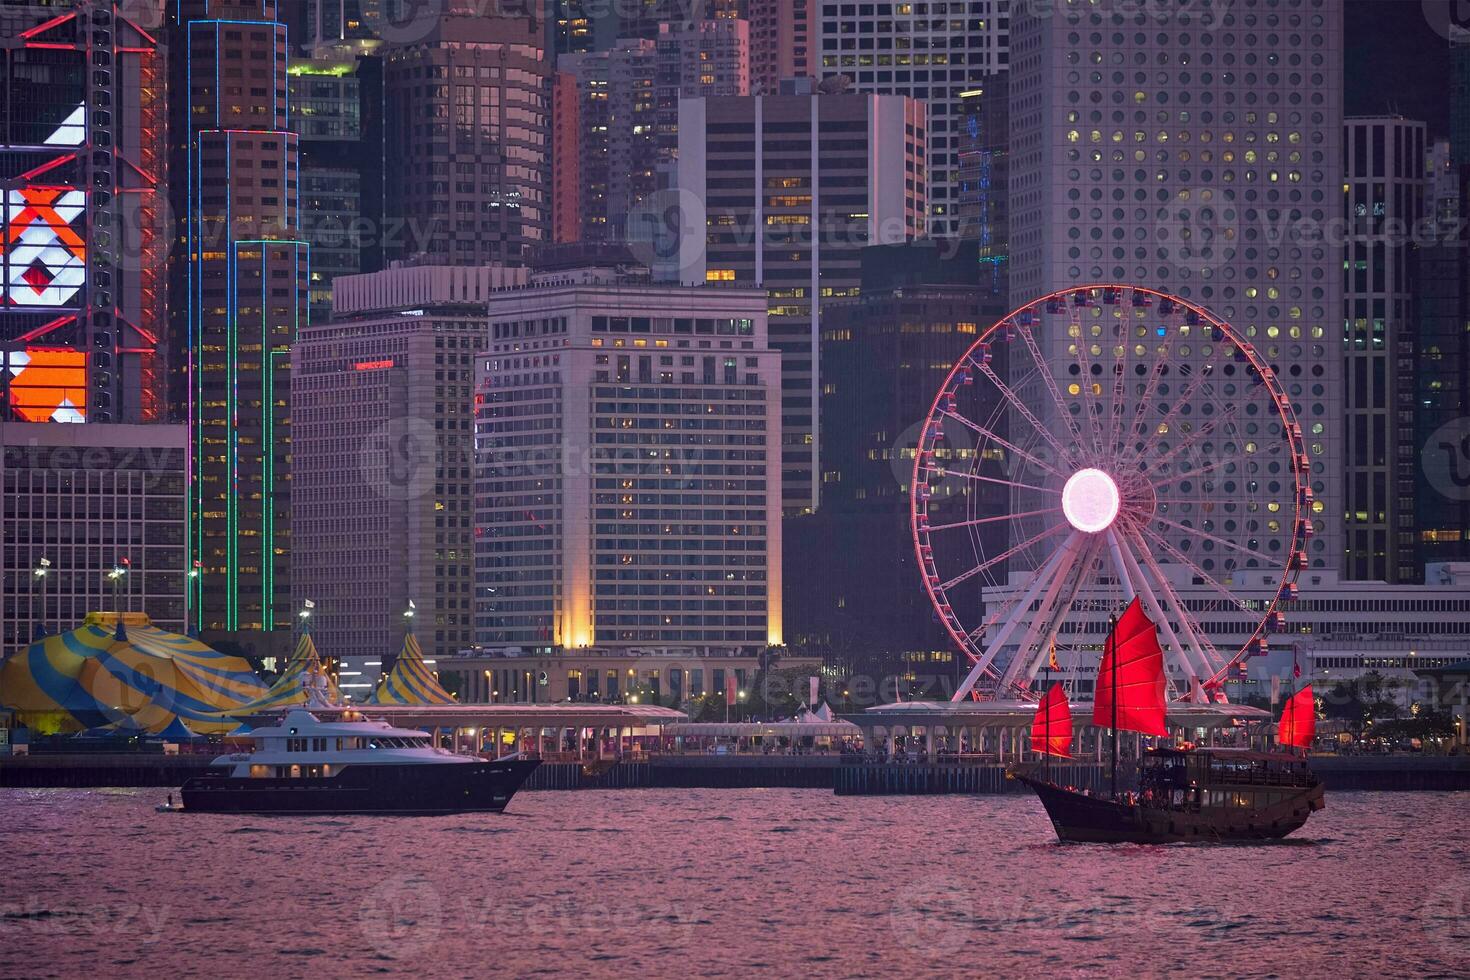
point(1154, 374)
point(1005, 443)
point(1193, 439)
point(1050, 383)
point(1005, 556)
point(975, 522)
point(1204, 373)
point(1013, 484)
point(1063, 453)
point(1085, 383)
point(1223, 542)
point(1232, 601)
point(1191, 474)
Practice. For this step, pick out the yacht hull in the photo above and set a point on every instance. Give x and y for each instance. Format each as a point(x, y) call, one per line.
point(1079, 818)
point(409, 790)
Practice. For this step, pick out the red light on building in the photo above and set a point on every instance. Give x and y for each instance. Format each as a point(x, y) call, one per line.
point(373, 365)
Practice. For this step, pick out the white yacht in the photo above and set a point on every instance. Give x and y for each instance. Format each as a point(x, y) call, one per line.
point(351, 765)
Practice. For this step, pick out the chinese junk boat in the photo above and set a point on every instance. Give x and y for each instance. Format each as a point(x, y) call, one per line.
point(1184, 793)
point(307, 766)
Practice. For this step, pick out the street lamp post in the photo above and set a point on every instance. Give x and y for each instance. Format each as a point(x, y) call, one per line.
point(116, 575)
point(43, 567)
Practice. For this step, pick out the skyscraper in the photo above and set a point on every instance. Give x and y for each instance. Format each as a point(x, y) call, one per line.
point(383, 439)
point(240, 296)
point(627, 114)
point(783, 39)
point(784, 192)
point(1384, 201)
point(468, 105)
point(85, 227)
point(933, 52)
point(984, 170)
point(336, 100)
point(627, 497)
point(1201, 157)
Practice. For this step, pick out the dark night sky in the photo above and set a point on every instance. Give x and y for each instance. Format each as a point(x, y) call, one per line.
point(1396, 62)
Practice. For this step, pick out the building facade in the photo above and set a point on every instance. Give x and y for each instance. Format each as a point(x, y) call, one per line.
point(931, 52)
point(854, 589)
point(336, 110)
point(468, 106)
point(784, 192)
point(627, 114)
point(1385, 202)
point(383, 437)
point(783, 39)
point(78, 503)
point(984, 170)
point(85, 229)
point(240, 295)
point(626, 495)
point(1224, 199)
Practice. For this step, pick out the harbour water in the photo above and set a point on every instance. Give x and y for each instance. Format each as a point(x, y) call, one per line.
point(689, 883)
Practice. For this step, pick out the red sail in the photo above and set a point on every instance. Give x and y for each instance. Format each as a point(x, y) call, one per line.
point(1132, 675)
point(1051, 732)
point(1298, 720)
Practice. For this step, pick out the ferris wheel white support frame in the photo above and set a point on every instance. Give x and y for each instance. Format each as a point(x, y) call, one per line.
point(1206, 655)
point(1049, 612)
point(1032, 666)
point(1156, 612)
point(1067, 552)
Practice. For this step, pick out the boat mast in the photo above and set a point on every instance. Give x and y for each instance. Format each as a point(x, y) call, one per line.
point(1112, 642)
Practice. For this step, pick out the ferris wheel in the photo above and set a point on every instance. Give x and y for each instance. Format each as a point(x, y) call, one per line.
point(1098, 444)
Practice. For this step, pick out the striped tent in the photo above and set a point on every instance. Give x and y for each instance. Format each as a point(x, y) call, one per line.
point(409, 680)
point(304, 681)
point(122, 672)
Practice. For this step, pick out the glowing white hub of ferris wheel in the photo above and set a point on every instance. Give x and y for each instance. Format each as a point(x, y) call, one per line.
point(1090, 501)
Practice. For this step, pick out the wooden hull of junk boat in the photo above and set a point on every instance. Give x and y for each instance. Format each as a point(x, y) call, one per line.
point(1079, 818)
point(417, 790)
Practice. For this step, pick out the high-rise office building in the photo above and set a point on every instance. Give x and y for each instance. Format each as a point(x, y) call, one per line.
point(984, 169)
point(94, 520)
point(627, 496)
point(468, 105)
point(784, 192)
point(627, 114)
point(84, 227)
point(1202, 160)
point(1385, 196)
point(382, 431)
point(853, 585)
point(336, 110)
point(1443, 188)
point(933, 52)
point(240, 296)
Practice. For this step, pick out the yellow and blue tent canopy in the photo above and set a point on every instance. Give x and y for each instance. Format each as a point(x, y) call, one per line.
point(304, 681)
point(121, 671)
point(409, 680)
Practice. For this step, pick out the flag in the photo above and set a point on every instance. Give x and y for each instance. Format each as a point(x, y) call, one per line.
point(1296, 667)
point(127, 562)
point(309, 604)
point(1051, 657)
point(814, 683)
point(45, 562)
point(730, 687)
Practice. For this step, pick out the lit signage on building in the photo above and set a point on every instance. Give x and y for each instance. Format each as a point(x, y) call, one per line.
point(45, 254)
point(46, 384)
